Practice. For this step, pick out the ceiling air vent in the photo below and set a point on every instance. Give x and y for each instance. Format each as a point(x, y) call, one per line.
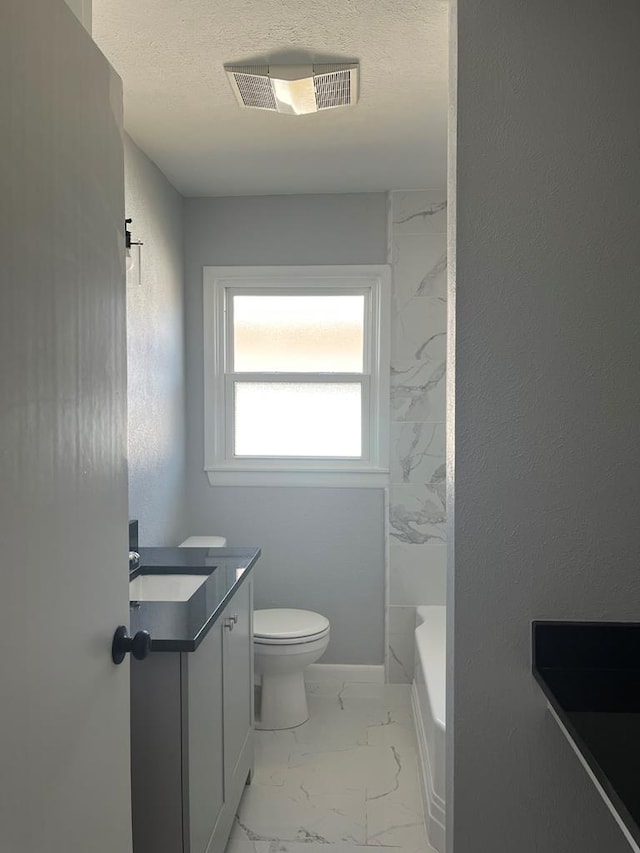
point(294, 89)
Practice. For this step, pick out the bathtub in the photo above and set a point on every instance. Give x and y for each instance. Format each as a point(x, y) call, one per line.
point(428, 700)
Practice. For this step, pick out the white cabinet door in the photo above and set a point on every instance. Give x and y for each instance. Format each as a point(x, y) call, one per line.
point(64, 706)
point(204, 796)
point(238, 682)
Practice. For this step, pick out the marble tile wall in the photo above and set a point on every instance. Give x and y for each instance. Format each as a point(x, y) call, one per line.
point(417, 546)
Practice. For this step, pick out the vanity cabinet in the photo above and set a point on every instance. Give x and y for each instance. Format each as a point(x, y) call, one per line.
point(192, 737)
point(238, 691)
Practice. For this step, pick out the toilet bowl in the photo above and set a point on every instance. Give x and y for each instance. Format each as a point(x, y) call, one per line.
point(285, 642)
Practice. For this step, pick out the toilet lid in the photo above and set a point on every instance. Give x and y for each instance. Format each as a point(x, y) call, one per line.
point(283, 624)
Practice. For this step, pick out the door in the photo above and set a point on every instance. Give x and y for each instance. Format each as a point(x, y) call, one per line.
point(64, 743)
point(205, 781)
point(238, 682)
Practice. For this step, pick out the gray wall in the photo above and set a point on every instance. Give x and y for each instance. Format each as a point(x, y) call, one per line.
point(155, 345)
point(322, 548)
point(547, 396)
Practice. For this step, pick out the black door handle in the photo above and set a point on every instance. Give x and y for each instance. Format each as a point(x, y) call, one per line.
point(139, 646)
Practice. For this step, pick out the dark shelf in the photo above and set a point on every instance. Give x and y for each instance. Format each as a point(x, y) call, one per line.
point(590, 674)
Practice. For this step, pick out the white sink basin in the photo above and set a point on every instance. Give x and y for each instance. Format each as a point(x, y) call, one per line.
point(164, 587)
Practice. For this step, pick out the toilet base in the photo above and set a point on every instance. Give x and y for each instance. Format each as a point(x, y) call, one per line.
point(281, 667)
point(283, 703)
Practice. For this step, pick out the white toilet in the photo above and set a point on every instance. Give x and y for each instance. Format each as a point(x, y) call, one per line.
point(285, 642)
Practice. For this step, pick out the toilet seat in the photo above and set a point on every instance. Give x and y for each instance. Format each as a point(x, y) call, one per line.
point(295, 641)
point(282, 626)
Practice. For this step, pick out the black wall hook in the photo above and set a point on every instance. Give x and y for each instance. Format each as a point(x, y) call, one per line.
point(128, 242)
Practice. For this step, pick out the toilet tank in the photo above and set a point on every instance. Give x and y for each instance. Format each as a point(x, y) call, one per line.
point(204, 542)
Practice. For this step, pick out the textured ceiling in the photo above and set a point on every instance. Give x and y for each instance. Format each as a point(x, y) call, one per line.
point(180, 109)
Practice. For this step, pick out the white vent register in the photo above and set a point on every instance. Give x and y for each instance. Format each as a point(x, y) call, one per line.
point(294, 89)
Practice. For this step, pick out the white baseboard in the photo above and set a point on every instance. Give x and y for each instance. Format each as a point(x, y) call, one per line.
point(434, 814)
point(363, 673)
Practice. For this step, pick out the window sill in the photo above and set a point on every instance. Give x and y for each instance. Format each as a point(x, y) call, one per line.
point(367, 478)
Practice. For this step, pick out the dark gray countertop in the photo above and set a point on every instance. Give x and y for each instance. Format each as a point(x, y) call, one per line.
point(590, 674)
point(180, 626)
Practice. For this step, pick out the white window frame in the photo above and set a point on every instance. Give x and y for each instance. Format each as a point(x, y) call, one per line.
point(222, 468)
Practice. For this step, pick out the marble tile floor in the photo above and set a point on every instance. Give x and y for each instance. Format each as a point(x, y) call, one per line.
point(347, 778)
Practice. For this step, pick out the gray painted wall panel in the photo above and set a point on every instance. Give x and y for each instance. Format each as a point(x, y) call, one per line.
point(157, 774)
point(323, 548)
point(155, 345)
point(547, 397)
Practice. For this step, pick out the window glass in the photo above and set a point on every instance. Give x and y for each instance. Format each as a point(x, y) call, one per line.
point(298, 333)
point(298, 419)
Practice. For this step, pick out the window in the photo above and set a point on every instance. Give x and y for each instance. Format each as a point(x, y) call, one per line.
point(296, 375)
